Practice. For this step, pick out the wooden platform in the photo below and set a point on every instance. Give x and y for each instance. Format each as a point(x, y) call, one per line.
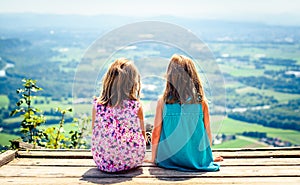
point(240, 166)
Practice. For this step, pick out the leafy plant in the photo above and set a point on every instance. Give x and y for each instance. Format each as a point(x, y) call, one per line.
point(56, 135)
point(32, 117)
point(77, 137)
point(52, 137)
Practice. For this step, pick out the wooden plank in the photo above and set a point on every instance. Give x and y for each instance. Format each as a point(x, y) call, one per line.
point(7, 156)
point(257, 149)
point(24, 145)
point(77, 167)
point(88, 155)
point(91, 163)
point(214, 150)
point(54, 154)
point(143, 181)
point(59, 150)
point(52, 162)
point(59, 154)
point(146, 172)
point(259, 154)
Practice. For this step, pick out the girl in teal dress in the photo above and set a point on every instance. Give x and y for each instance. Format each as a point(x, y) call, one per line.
point(181, 138)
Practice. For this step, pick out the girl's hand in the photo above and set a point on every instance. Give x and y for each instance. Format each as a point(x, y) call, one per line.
point(218, 159)
point(149, 161)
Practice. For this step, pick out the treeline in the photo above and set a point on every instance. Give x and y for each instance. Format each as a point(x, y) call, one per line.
point(10, 43)
point(280, 83)
point(278, 61)
point(285, 116)
point(235, 100)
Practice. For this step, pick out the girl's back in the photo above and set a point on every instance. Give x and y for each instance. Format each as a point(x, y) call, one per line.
point(181, 137)
point(117, 140)
point(184, 144)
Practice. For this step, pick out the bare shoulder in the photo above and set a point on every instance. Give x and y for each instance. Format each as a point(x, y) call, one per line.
point(139, 105)
point(160, 102)
point(204, 104)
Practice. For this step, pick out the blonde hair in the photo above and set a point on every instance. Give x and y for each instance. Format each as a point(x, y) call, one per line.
point(121, 82)
point(183, 82)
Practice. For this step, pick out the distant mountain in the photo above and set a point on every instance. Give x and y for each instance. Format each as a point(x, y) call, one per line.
point(26, 20)
point(13, 43)
point(206, 29)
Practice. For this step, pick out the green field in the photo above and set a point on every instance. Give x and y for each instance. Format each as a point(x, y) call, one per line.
point(4, 101)
point(241, 142)
point(232, 127)
point(4, 138)
point(67, 127)
point(52, 104)
point(281, 97)
point(240, 71)
point(19, 119)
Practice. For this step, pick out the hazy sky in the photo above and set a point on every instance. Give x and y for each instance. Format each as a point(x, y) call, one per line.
point(265, 10)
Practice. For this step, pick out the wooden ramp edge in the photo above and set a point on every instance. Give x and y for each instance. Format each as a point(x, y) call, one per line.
point(240, 166)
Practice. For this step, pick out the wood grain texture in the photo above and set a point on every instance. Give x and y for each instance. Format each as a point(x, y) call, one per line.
point(144, 181)
point(225, 154)
point(241, 166)
point(90, 163)
point(7, 156)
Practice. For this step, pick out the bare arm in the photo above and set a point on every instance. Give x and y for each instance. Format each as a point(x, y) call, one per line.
point(142, 124)
point(93, 116)
point(157, 128)
point(207, 121)
point(207, 127)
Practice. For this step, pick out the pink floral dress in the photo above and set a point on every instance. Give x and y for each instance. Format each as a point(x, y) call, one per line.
point(117, 142)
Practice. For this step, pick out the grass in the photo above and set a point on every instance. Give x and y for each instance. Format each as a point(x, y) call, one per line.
point(53, 105)
point(241, 71)
point(4, 138)
point(19, 119)
point(80, 109)
point(67, 126)
point(4, 101)
point(240, 142)
point(281, 97)
point(12, 120)
point(232, 127)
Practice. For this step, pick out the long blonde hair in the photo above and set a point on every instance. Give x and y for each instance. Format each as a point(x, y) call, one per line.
point(121, 82)
point(183, 82)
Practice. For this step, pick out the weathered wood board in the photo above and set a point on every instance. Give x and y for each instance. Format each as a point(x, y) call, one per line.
point(240, 166)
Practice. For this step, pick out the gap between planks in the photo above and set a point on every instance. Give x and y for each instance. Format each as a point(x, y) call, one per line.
point(231, 154)
point(143, 181)
point(90, 162)
point(146, 172)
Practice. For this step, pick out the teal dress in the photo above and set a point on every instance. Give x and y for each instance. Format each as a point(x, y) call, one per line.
point(184, 144)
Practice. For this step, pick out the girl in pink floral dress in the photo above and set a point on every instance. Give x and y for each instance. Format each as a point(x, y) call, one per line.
point(118, 140)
